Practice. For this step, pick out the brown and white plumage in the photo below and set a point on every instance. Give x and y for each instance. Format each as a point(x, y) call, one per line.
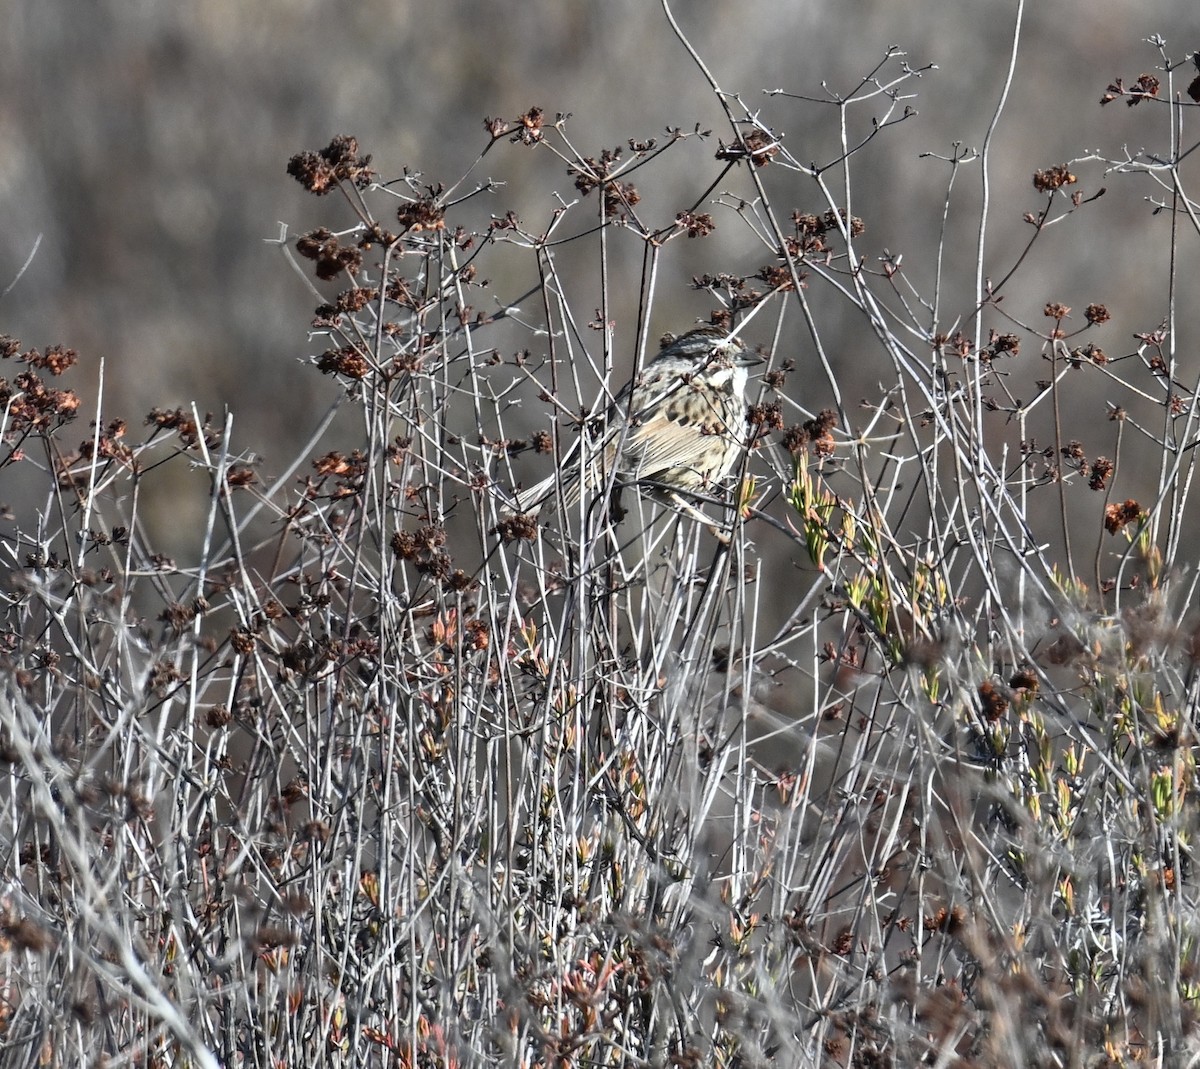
point(676, 429)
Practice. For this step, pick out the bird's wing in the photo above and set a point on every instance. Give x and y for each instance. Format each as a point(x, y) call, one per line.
point(668, 432)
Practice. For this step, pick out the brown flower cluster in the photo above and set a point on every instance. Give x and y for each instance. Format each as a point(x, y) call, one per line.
point(591, 173)
point(516, 528)
point(1117, 515)
point(1100, 472)
point(817, 432)
point(55, 360)
point(777, 276)
point(1003, 344)
point(1053, 178)
point(346, 361)
point(425, 213)
point(741, 295)
point(320, 172)
point(1097, 472)
point(1025, 679)
point(331, 257)
point(1091, 354)
point(31, 406)
point(509, 446)
point(957, 344)
point(348, 471)
point(757, 146)
point(1145, 88)
point(776, 379)
point(993, 704)
point(354, 299)
point(764, 419)
point(811, 230)
point(106, 446)
point(528, 127)
point(697, 224)
point(423, 549)
point(399, 448)
point(184, 424)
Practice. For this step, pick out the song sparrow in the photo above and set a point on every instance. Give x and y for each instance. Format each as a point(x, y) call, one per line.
point(676, 429)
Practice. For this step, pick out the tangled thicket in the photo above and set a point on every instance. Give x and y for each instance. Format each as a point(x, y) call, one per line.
point(387, 774)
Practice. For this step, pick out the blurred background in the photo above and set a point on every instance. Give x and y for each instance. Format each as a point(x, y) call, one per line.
point(147, 144)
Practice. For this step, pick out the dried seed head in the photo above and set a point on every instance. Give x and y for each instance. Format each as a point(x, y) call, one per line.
point(1053, 178)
